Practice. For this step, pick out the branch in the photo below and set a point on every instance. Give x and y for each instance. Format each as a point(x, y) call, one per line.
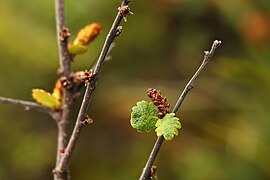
point(207, 56)
point(65, 70)
point(64, 161)
point(62, 38)
point(26, 104)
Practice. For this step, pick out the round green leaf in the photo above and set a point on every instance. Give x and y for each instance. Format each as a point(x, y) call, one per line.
point(144, 116)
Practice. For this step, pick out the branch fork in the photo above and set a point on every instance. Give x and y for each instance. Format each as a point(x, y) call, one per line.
point(64, 159)
point(71, 85)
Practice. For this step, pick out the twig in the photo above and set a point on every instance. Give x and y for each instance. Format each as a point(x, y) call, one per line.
point(65, 70)
point(62, 38)
point(208, 55)
point(107, 58)
point(65, 158)
point(26, 104)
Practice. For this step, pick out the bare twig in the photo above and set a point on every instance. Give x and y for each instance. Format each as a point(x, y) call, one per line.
point(65, 158)
point(26, 104)
point(65, 70)
point(62, 38)
point(208, 55)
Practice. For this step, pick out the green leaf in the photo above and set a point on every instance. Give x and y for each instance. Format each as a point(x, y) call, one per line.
point(168, 126)
point(144, 116)
point(77, 49)
point(45, 98)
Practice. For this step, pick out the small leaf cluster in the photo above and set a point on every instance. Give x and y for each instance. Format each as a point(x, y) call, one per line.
point(51, 100)
point(144, 118)
point(79, 46)
point(83, 38)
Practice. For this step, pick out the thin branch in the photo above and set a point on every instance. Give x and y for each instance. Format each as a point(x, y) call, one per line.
point(65, 70)
point(65, 158)
point(26, 104)
point(208, 55)
point(62, 38)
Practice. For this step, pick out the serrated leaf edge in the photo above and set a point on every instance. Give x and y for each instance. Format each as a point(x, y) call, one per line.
point(174, 134)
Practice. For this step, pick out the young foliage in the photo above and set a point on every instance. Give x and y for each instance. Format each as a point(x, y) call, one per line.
point(77, 49)
point(58, 90)
point(45, 98)
point(144, 116)
point(168, 126)
point(83, 38)
point(87, 34)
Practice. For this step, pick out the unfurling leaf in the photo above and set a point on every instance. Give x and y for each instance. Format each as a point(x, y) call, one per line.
point(168, 126)
point(58, 90)
point(144, 116)
point(45, 98)
point(77, 49)
point(87, 34)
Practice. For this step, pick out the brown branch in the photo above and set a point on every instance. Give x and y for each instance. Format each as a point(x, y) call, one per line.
point(65, 157)
point(27, 105)
point(62, 38)
point(65, 70)
point(208, 55)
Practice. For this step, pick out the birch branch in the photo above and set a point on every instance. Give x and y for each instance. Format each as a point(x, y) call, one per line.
point(207, 56)
point(65, 71)
point(26, 104)
point(114, 32)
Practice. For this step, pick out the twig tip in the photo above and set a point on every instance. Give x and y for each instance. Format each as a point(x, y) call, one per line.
point(125, 12)
point(217, 43)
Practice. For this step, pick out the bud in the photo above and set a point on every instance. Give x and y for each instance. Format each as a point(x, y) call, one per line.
point(125, 12)
point(87, 34)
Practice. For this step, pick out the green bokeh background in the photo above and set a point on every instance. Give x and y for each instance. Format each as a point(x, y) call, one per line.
point(225, 119)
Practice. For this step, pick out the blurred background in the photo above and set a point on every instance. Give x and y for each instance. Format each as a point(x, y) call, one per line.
point(225, 118)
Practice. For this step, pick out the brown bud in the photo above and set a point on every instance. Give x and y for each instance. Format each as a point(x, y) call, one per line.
point(64, 33)
point(125, 12)
point(81, 77)
point(87, 121)
point(65, 82)
point(153, 173)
